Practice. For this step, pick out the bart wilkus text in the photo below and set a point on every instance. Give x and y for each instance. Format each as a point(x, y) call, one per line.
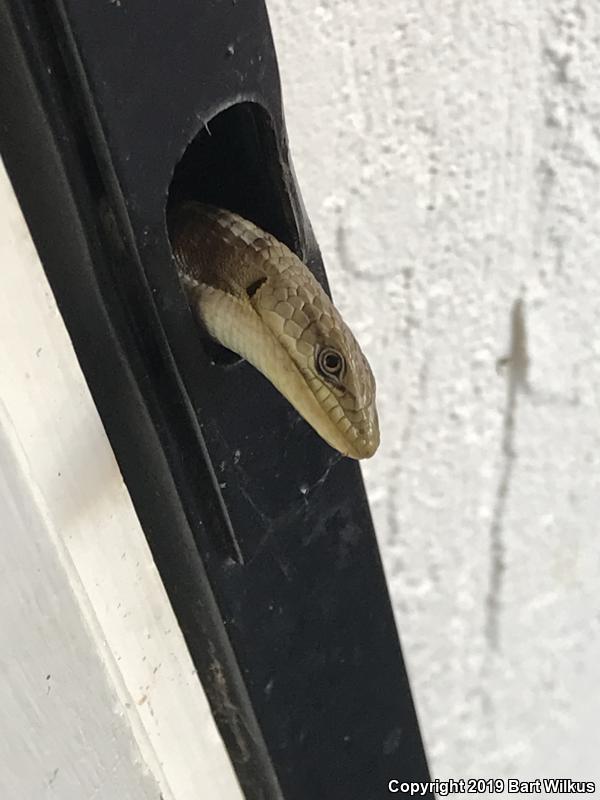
point(443, 788)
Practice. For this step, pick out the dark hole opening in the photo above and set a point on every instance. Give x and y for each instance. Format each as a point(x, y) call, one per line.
point(234, 163)
point(254, 287)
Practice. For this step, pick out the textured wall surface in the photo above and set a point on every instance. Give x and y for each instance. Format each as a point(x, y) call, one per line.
point(449, 156)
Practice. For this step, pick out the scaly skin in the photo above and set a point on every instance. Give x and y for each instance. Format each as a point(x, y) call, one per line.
point(255, 297)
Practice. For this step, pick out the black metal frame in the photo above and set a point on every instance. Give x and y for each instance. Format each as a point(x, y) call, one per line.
point(261, 533)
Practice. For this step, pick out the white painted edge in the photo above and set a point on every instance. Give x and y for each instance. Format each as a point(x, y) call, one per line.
point(56, 432)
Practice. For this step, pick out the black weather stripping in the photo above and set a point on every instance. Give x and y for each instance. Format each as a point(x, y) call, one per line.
point(262, 534)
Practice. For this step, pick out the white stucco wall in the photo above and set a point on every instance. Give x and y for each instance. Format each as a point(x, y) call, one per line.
point(449, 156)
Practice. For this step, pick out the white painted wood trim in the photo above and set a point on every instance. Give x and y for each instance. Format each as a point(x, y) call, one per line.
point(100, 624)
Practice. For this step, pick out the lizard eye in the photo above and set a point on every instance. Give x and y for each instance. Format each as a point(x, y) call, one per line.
point(331, 364)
